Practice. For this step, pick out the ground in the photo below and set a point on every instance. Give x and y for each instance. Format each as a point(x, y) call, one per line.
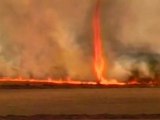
point(80, 102)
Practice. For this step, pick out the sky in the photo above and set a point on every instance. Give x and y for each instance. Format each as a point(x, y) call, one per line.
point(54, 38)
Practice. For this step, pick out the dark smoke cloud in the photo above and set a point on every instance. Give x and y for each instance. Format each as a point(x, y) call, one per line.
point(53, 38)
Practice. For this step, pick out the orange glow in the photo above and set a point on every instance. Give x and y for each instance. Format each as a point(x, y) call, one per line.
point(111, 82)
point(98, 58)
point(134, 82)
point(44, 81)
point(52, 82)
point(98, 54)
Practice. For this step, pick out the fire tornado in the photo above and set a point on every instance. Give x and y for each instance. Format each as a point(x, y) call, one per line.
point(98, 51)
point(98, 55)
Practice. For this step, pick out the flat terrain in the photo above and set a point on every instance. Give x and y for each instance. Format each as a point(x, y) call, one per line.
point(128, 101)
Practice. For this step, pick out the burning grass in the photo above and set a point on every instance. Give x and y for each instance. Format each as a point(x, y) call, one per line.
point(35, 83)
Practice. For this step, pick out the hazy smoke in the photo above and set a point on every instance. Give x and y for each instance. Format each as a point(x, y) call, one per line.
point(53, 38)
point(131, 28)
point(41, 38)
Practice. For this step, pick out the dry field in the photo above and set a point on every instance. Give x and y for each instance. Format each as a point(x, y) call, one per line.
point(81, 102)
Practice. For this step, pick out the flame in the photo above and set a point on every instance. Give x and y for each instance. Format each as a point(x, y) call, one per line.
point(53, 82)
point(134, 82)
point(98, 58)
point(98, 54)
